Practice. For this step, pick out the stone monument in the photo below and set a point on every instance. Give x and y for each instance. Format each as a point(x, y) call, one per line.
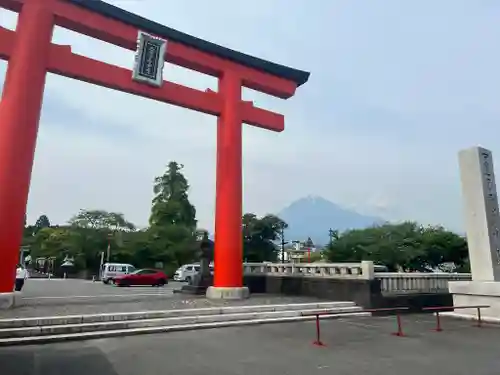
point(482, 222)
point(203, 279)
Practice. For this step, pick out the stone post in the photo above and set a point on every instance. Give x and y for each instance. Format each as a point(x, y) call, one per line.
point(367, 270)
point(482, 224)
point(481, 213)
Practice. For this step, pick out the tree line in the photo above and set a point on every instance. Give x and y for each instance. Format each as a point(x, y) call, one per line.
point(173, 238)
point(406, 246)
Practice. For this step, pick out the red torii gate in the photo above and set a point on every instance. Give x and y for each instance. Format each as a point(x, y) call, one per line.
point(31, 54)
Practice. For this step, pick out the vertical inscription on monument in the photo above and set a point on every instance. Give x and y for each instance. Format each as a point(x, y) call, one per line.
point(491, 200)
point(149, 59)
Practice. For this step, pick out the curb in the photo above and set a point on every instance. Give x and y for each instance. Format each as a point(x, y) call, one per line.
point(35, 340)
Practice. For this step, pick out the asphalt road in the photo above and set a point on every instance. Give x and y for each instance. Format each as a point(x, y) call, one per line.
point(355, 346)
point(42, 297)
point(44, 288)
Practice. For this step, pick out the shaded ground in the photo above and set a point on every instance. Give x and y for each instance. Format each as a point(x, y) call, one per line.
point(74, 297)
point(355, 346)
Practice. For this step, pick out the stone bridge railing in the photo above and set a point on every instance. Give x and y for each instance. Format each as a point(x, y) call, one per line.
point(390, 282)
point(413, 282)
point(363, 270)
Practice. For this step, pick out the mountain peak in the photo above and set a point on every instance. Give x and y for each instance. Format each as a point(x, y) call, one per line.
point(312, 216)
point(314, 199)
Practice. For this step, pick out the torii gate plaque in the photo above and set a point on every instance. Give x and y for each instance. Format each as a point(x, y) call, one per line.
point(31, 54)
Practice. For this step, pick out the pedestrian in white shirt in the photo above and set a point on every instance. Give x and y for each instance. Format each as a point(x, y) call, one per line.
point(21, 276)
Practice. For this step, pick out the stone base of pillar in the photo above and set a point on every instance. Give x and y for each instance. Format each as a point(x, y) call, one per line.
point(215, 292)
point(198, 286)
point(9, 300)
point(476, 293)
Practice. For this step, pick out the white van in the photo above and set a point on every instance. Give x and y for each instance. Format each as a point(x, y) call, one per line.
point(111, 270)
point(188, 271)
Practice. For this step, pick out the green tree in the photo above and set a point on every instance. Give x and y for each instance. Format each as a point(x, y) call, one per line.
point(42, 222)
point(399, 246)
point(31, 230)
point(172, 232)
point(116, 222)
point(316, 256)
point(101, 219)
point(99, 230)
point(59, 242)
point(171, 205)
point(260, 236)
point(89, 219)
point(440, 246)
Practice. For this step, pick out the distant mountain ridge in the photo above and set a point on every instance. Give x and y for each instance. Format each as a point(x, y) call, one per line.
point(313, 216)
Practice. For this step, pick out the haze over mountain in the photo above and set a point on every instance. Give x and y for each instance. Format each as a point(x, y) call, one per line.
point(313, 216)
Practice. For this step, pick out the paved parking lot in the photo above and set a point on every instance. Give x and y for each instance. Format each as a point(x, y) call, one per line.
point(355, 346)
point(71, 297)
point(43, 288)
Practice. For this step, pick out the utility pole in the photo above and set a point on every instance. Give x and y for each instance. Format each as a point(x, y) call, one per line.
point(333, 234)
point(108, 250)
point(283, 244)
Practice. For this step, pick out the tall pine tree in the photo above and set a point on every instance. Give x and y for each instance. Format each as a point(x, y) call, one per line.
point(171, 205)
point(42, 222)
point(173, 218)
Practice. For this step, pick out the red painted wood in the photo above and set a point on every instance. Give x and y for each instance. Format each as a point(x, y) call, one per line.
point(19, 117)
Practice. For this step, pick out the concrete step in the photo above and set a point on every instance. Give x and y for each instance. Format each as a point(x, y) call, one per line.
point(84, 331)
point(157, 322)
point(96, 318)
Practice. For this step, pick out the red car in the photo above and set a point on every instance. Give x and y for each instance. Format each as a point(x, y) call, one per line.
point(142, 277)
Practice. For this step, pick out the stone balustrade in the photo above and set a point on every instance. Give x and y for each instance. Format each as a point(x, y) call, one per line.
point(413, 282)
point(390, 282)
point(363, 270)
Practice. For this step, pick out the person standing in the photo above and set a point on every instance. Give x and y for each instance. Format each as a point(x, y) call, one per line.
point(21, 276)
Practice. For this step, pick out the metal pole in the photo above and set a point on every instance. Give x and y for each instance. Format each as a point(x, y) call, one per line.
point(108, 251)
point(101, 265)
point(400, 326)
point(282, 245)
point(318, 333)
point(438, 322)
point(479, 322)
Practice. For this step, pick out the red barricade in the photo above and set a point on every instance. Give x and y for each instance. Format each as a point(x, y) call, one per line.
point(397, 312)
point(317, 314)
point(439, 309)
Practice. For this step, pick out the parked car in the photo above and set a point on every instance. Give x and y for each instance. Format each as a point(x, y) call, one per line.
point(110, 271)
point(188, 271)
point(142, 277)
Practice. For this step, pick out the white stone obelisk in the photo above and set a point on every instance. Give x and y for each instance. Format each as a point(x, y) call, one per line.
point(481, 213)
point(482, 222)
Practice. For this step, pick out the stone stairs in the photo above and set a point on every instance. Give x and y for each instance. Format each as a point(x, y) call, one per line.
point(23, 331)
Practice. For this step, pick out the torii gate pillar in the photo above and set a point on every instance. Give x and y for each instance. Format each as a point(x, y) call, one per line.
point(19, 117)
